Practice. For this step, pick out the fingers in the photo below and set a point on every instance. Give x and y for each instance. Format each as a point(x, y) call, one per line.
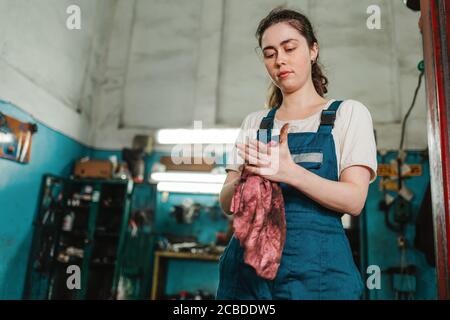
point(284, 133)
point(259, 146)
point(252, 156)
point(266, 172)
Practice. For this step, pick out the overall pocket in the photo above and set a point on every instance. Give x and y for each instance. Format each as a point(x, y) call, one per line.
point(308, 158)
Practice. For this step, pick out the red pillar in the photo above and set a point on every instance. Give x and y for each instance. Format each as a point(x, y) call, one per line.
point(435, 15)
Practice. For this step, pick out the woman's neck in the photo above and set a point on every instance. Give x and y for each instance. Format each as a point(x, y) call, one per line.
point(301, 103)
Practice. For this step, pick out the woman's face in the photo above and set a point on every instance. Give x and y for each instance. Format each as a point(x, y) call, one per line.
point(287, 56)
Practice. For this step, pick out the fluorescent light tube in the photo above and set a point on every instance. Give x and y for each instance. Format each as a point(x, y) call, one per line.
point(190, 187)
point(197, 136)
point(188, 177)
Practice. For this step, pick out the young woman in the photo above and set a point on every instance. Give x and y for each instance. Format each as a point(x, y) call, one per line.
point(325, 162)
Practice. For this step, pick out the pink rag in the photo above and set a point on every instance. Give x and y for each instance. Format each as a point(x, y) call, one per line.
point(259, 222)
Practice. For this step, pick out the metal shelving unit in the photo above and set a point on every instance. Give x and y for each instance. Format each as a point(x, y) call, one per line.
point(80, 222)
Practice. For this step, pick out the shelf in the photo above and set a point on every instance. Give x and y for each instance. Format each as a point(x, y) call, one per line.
point(78, 207)
point(103, 264)
point(73, 260)
point(187, 255)
point(49, 226)
point(80, 180)
point(75, 233)
point(97, 229)
point(112, 207)
point(106, 234)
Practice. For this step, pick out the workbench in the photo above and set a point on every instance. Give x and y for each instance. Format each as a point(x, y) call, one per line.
point(160, 267)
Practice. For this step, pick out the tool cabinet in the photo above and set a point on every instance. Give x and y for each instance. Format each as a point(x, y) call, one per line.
point(81, 224)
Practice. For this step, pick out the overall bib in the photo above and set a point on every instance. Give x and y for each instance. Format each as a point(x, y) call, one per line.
point(316, 262)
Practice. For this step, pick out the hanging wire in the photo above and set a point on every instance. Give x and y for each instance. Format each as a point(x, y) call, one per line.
point(410, 108)
point(400, 152)
point(403, 258)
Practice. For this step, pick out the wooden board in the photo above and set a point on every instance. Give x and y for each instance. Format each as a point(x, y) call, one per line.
point(388, 170)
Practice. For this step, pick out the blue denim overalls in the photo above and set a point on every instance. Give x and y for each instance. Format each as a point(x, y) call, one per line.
point(317, 262)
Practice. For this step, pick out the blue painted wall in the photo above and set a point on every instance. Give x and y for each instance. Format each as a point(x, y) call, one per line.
point(191, 275)
point(379, 243)
point(52, 152)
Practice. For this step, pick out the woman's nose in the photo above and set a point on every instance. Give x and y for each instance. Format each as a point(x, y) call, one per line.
point(281, 59)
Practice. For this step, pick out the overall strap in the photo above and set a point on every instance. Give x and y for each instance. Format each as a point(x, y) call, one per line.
point(264, 133)
point(328, 117)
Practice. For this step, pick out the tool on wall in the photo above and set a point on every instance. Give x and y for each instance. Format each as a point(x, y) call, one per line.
point(186, 212)
point(403, 281)
point(397, 203)
point(398, 213)
point(15, 139)
point(26, 145)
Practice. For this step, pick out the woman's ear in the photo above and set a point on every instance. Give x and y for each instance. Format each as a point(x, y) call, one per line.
point(314, 52)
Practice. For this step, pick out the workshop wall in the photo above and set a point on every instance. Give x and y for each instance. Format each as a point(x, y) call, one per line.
point(191, 275)
point(199, 57)
point(20, 184)
point(49, 70)
point(52, 74)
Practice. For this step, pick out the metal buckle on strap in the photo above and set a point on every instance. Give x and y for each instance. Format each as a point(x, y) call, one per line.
point(328, 118)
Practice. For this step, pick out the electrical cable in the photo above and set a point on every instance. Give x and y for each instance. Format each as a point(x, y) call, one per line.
point(400, 227)
point(410, 109)
point(405, 118)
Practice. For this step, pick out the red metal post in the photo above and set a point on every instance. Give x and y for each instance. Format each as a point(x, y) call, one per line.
point(436, 30)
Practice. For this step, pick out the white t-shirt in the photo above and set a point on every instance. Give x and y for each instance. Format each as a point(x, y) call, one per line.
point(352, 133)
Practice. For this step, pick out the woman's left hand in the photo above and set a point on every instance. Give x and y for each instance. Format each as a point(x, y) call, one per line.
point(272, 161)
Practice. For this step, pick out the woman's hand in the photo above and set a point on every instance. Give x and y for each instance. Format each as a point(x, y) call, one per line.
point(272, 161)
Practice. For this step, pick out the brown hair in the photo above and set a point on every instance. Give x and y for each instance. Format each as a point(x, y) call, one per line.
point(302, 25)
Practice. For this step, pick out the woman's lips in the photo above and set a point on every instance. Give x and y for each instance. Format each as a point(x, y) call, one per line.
point(284, 75)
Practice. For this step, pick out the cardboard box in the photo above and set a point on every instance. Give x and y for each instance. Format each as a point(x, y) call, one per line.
point(188, 164)
point(94, 169)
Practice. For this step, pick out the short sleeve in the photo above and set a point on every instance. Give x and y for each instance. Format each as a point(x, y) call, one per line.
point(233, 161)
point(357, 138)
